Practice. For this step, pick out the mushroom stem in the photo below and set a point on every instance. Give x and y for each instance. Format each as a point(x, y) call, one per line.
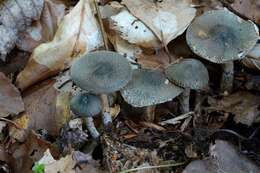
point(91, 127)
point(149, 114)
point(184, 99)
point(227, 77)
point(106, 117)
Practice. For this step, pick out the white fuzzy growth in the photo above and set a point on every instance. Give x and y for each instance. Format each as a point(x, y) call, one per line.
point(133, 30)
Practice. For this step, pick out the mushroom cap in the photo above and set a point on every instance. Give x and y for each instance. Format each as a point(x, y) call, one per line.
point(85, 105)
point(188, 73)
point(149, 87)
point(101, 72)
point(221, 36)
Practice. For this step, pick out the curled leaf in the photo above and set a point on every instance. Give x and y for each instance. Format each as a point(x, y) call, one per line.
point(167, 19)
point(77, 34)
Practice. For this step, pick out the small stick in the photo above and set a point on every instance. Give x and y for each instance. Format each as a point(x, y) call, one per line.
point(101, 25)
point(153, 167)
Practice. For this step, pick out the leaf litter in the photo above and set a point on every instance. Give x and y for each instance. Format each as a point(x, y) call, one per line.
point(39, 133)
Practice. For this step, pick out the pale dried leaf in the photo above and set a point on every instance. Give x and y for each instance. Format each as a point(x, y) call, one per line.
point(15, 17)
point(244, 105)
point(42, 30)
point(167, 19)
point(223, 155)
point(133, 30)
point(10, 99)
point(252, 60)
point(130, 51)
point(78, 33)
point(76, 162)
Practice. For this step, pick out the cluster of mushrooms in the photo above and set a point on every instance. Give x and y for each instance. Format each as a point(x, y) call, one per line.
point(218, 36)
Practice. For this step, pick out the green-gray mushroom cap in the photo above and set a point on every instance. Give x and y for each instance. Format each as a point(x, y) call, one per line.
point(85, 105)
point(101, 72)
point(149, 87)
point(221, 36)
point(188, 73)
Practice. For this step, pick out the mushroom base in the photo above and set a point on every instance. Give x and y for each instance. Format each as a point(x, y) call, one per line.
point(184, 100)
point(149, 114)
point(92, 128)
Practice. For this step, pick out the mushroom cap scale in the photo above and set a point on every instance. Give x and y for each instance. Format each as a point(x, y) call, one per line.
point(188, 73)
point(85, 105)
point(101, 72)
point(149, 87)
point(221, 36)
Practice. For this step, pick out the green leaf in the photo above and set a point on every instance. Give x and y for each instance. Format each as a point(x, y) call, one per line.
point(38, 168)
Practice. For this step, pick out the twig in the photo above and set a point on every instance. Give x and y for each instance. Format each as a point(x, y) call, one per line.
point(153, 167)
point(11, 122)
point(176, 119)
point(101, 25)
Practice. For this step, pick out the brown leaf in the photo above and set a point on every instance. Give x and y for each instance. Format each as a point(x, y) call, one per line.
point(153, 61)
point(45, 108)
point(167, 19)
point(243, 105)
point(42, 30)
point(24, 154)
point(249, 8)
point(78, 33)
point(15, 17)
point(10, 99)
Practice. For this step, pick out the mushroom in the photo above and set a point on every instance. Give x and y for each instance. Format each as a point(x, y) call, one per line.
point(148, 88)
point(188, 74)
point(222, 37)
point(87, 106)
point(101, 72)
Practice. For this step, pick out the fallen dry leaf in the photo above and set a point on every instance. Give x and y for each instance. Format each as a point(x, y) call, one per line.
point(45, 108)
point(130, 51)
point(167, 19)
point(42, 30)
point(252, 60)
point(223, 155)
point(10, 99)
point(244, 105)
point(24, 154)
point(249, 8)
point(76, 162)
point(15, 17)
point(78, 33)
point(133, 30)
point(158, 60)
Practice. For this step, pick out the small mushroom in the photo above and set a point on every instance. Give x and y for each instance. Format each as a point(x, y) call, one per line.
point(188, 74)
point(102, 72)
point(148, 88)
point(87, 106)
point(222, 37)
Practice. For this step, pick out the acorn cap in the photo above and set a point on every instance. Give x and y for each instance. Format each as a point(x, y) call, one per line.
point(188, 73)
point(221, 36)
point(87, 105)
point(101, 72)
point(149, 88)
